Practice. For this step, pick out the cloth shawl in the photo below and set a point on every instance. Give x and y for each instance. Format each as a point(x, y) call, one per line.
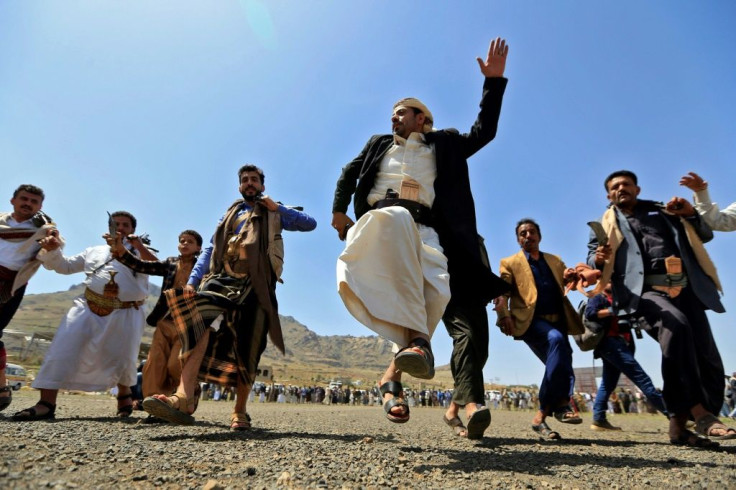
point(26, 272)
point(615, 238)
point(262, 276)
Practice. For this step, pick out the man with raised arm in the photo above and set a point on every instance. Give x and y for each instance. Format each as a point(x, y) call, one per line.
point(414, 255)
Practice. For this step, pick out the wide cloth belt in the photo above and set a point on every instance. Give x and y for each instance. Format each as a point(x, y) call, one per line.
point(103, 306)
point(671, 284)
point(421, 213)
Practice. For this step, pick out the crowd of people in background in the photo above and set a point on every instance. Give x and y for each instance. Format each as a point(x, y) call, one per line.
point(412, 258)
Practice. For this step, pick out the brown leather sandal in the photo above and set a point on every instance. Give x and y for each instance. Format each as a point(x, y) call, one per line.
point(169, 409)
point(416, 360)
point(456, 425)
point(239, 421)
point(705, 424)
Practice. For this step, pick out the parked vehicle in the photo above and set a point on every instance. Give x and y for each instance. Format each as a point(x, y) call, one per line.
point(16, 376)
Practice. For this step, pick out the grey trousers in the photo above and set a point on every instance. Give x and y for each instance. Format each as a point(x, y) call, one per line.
point(692, 369)
point(468, 328)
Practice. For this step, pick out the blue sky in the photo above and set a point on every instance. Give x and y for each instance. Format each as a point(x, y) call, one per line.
point(152, 107)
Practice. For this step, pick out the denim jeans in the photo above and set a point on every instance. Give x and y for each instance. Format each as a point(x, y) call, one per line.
point(619, 358)
point(552, 347)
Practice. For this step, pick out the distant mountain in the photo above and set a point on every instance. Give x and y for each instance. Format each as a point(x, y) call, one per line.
point(309, 357)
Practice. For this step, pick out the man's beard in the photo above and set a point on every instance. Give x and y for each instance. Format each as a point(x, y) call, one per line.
point(252, 197)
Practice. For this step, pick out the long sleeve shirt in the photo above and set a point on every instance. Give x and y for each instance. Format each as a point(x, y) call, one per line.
point(291, 220)
point(715, 218)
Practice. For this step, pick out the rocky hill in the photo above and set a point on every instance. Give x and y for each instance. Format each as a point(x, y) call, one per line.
point(310, 358)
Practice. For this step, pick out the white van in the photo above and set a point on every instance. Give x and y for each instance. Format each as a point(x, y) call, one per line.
point(16, 376)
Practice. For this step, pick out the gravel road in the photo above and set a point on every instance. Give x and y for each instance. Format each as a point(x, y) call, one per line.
point(337, 446)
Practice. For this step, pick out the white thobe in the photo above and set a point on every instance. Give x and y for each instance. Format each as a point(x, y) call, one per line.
point(392, 275)
point(91, 352)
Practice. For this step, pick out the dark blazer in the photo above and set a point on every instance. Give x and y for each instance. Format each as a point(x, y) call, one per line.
point(627, 280)
point(453, 210)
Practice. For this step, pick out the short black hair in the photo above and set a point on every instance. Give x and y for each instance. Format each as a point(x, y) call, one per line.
point(196, 236)
point(527, 221)
point(620, 173)
point(251, 168)
point(31, 189)
point(126, 214)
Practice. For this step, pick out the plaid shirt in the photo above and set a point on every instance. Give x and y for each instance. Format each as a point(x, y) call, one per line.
point(167, 269)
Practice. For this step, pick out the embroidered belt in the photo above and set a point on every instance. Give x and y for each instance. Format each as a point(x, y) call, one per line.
point(671, 284)
point(102, 306)
point(17, 235)
point(421, 213)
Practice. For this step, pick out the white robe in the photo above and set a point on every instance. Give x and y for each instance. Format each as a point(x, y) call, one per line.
point(90, 352)
point(393, 275)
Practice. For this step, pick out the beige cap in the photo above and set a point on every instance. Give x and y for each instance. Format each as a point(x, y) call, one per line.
point(417, 104)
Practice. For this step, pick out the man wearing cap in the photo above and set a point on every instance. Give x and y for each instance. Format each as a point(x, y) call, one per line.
point(415, 244)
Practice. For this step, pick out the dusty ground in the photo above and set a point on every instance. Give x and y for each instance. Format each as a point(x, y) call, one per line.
point(349, 447)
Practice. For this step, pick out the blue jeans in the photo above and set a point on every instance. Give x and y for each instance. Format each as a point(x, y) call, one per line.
point(552, 347)
point(618, 358)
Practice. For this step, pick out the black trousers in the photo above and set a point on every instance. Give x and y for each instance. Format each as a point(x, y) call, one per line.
point(7, 310)
point(692, 369)
point(468, 328)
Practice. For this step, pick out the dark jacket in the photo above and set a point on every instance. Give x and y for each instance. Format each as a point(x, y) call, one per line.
point(453, 210)
point(627, 279)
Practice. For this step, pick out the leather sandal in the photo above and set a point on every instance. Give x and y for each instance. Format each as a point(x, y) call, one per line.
point(197, 396)
point(5, 400)
point(416, 360)
point(31, 414)
point(478, 422)
point(170, 408)
point(456, 425)
point(394, 388)
point(547, 434)
point(705, 424)
point(239, 421)
point(691, 439)
point(126, 410)
point(566, 415)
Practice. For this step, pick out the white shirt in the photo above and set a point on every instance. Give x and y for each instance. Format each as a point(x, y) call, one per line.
point(11, 256)
point(96, 263)
point(410, 158)
point(718, 220)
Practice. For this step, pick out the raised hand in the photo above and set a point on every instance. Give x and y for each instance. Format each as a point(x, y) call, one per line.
point(495, 62)
point(115, 243)
point(694, 182)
